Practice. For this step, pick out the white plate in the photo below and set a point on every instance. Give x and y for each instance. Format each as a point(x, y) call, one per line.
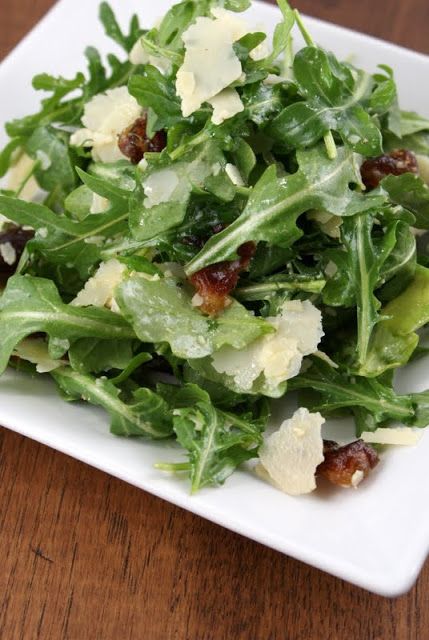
point(376, 537)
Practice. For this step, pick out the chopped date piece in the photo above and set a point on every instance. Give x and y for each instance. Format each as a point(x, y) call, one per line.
point(216, 282)
point(134, 143)
point(395, 163)
point(12, 244)
point(347, 466)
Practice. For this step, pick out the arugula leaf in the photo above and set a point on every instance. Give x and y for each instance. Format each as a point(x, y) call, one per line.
point(421, 409)
point(412, 122)
point(62, 241)
point(262, 102)
point(217, 442)
point(384, 99)
point(30, 305)
point(148, 415)
point(90, 355)
point(335, 390)
point(54, 170)
point(160, 310)
point(8, 153)
point(332, 101)
point(237, 5)
point(395, 337)
point(359, 272)
point(276, 203)
point(282, 34)
point(155, 91)
point(188, 174)
point(113, 30)
point(409, 191)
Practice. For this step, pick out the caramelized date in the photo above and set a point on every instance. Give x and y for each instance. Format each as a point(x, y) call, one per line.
point(347, 466)
point(216, 282)
point(12, 244)
point(134, 143)
point(395, 163)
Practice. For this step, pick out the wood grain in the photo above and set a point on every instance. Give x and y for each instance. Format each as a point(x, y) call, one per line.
point(85, 556)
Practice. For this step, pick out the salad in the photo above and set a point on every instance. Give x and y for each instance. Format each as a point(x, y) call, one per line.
point(211, 221)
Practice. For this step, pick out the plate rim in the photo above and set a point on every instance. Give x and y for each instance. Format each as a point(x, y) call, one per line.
point(371, 582)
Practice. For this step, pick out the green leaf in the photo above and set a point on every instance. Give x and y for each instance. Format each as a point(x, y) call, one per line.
point(358, 273)
point(90, 355)
point(336, 390)
point(148, 415)
point(237, 5)
point(412, 122)
point(409, 191)
point(276, 203)
point(332, 101)
point(384, 100)
point(421, 408)
point(189, 174)
point(217, 442)
point(155, 91)
point(244, 158)
point(49, 147)
point(62, 241)
point(31, 305)
point(262, 102)
point(160, 310)
point(8, 153)
point(282, 34)
point(395, 337)
point(113, 30)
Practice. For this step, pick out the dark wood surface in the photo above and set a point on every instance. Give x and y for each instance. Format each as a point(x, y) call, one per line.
point(87, 557)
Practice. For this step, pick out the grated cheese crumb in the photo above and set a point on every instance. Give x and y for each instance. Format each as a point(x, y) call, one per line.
point(8, 253)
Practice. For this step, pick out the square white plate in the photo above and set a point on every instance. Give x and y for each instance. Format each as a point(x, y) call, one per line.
point(376, 537)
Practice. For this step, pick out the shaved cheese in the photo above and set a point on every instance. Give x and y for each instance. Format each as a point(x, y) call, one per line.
point(402, 436)
point(234, 175)
point(292, 454)
point(225, 105)
point(138, 55)
point(99, 204)
point(159, 187)
point(329, 224)
point(105, 117)
point(279, 355)
point(99, 290)
point(35, 350)
point(18, 173)
point(423, 165)
point(210, 64)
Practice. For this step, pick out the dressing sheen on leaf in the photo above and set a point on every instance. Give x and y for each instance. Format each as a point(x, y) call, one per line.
point(160, 310)
point(276, 203)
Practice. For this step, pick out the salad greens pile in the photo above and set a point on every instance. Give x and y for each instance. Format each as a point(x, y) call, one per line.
point(104, 295)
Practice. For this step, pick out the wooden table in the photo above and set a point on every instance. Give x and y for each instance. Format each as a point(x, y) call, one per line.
point(87, 557)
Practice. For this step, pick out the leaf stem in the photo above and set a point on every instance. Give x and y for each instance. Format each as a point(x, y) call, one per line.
point(258, 291)
point(301, 26)
point(135, 363)
point(331, 147)
point(173, 467)
point(193, 142)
